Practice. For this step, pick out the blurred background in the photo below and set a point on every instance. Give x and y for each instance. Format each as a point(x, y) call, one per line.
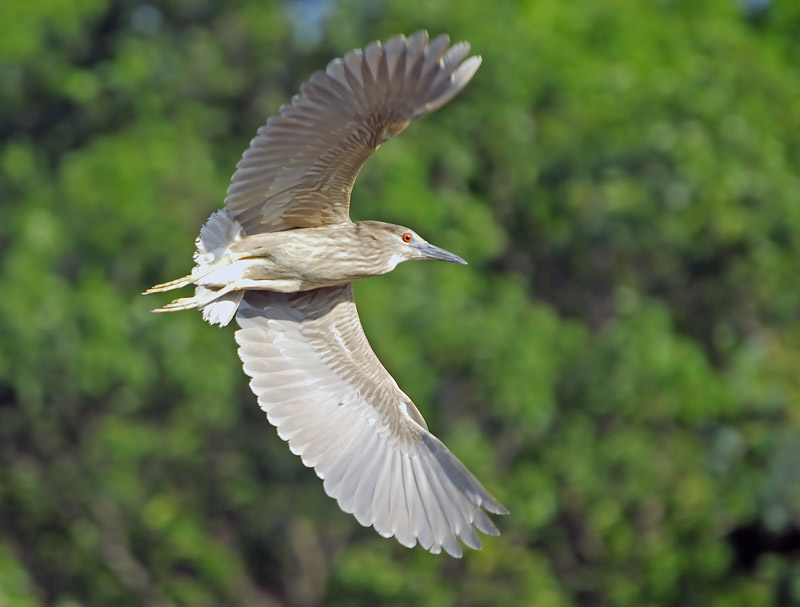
point(619, 363)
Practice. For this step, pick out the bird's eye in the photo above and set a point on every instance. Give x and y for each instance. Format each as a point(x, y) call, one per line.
point(407, 237)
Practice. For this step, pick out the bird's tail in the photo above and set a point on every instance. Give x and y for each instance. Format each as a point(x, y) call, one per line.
point(211, 246)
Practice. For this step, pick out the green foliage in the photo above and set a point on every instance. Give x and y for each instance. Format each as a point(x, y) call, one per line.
point(619, 362)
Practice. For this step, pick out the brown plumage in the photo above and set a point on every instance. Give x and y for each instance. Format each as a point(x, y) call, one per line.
point(281, 258)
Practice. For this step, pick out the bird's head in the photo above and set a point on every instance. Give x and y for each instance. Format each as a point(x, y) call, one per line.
point(395, 244)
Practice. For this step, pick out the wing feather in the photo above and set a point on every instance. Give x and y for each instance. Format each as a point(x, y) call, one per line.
point(300, 168)
point(328, 395)
point(364, 492)
point(418, 506)
point(433, 513)
point(381, 494)
point(400, 520)
point(354, 473)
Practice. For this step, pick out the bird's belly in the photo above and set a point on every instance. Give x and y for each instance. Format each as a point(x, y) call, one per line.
point(252, 268)
point(270, 274)
point(319, 267)
point(329, 272)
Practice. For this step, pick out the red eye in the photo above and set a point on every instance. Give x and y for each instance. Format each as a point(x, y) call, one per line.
point(407, 237)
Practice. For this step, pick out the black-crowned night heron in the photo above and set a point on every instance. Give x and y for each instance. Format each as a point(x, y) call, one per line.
point(281, 258)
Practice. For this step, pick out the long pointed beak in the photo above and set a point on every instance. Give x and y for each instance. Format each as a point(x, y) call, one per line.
point(433, 252)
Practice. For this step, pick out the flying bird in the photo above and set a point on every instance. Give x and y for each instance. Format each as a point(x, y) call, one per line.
point(281, 258)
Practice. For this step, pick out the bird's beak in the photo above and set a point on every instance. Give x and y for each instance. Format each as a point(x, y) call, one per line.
point(430, 251)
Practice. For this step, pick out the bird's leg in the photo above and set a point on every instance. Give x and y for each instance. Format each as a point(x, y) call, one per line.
point(204, 296)
point(197, 273)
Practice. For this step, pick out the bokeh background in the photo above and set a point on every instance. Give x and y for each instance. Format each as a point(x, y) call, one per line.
point(619, 363)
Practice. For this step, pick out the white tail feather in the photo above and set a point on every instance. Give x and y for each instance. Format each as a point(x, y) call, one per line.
point(215, 237)
point(222, 310)
point(212, 245)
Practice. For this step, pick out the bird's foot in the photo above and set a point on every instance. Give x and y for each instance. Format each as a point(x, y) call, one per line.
point(184, 303)
point(203, 296)
point(178, 283)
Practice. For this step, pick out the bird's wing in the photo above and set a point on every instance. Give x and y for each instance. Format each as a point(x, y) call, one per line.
point(327, 393)
point(300, 168)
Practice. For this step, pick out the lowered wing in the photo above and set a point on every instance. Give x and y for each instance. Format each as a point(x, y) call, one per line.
point(327, 393)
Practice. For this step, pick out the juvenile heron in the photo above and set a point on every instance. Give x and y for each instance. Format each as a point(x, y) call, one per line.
point(281, 258)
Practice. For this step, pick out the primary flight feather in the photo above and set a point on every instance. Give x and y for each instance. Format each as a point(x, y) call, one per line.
point(281, 258)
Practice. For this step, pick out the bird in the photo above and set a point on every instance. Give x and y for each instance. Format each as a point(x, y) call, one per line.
point(281, 257)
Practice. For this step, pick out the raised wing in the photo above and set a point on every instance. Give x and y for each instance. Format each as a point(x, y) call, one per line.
point(327, 393)
point(300, 168)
